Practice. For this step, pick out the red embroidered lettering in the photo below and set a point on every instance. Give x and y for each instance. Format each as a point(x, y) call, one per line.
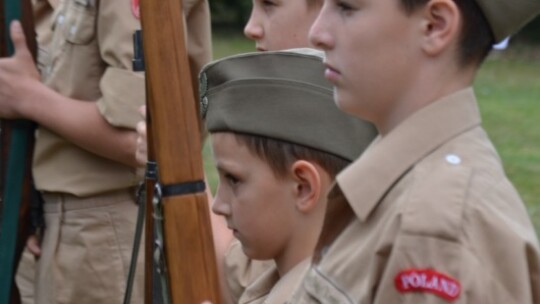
point(135, 8)
point(428, 280)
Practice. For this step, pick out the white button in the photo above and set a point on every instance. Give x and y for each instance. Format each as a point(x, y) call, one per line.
point(60, 19)
point(453, 159)
point(73, 30)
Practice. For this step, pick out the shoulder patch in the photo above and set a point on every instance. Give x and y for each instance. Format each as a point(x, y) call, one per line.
point(135, 9)
point(428, 280)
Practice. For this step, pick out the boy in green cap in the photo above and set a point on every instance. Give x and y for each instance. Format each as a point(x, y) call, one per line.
point(431, 215)
point(278, 141)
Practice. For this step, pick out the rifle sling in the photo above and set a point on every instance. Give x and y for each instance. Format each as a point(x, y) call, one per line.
point(183, 188)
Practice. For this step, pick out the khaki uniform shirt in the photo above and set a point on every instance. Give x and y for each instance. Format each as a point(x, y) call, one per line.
point(435, 220)
point(258, 282)
point(85, 53)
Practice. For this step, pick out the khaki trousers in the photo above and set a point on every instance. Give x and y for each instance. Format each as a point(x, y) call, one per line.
point(86, 250)
point(25, 277)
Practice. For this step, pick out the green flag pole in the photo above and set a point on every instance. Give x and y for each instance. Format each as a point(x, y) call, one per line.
point(17, 134)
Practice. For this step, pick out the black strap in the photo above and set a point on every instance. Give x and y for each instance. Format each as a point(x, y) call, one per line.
point(136, 242)
point(183, 188)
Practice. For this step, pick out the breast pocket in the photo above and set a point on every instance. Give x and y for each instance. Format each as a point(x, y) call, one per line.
point(79, 26)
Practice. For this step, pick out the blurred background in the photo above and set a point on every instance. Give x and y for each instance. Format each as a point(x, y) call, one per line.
point(508, 89)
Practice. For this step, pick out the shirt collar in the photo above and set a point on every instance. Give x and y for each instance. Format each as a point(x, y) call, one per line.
point(366, 181)
point(275, 289)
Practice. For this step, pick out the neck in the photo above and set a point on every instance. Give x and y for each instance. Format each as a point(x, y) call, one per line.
point(303, 241)
point(433, 82)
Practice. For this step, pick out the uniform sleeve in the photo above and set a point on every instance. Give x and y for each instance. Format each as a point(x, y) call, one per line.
point(242, 271)
point(424, 269)
point(199, 43)
point(198, 36)
point(122, 89)
point(464, 237)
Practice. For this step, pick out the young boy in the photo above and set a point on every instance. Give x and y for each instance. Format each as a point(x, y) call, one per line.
point(278, 141)
point(281, 24)
point(432, 216)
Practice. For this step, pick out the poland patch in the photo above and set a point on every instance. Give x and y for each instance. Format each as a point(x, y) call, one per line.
point(428, 280)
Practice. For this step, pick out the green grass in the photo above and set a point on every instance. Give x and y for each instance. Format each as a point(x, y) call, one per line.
point(228, 43)
point(508, 89)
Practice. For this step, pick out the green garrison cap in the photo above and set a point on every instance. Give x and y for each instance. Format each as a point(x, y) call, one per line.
point(507, 16)
point(281, 95)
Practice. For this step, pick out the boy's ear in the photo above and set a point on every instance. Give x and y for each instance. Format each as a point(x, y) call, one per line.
point(307, 185)
point(441, 26)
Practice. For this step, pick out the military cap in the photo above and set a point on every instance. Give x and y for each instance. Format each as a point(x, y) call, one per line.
point(281, 95)
point(507, 16)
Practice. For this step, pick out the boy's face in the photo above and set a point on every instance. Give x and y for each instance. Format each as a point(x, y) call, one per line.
point(370, 53)
point(280, 24)
point(258, 207)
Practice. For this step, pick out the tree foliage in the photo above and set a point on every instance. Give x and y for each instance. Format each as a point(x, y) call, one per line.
point(230, 14)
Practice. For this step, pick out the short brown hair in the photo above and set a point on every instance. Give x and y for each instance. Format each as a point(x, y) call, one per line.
point(280, 155)
point(476, 37)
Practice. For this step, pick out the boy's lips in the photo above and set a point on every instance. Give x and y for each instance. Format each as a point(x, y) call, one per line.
point(331, 73)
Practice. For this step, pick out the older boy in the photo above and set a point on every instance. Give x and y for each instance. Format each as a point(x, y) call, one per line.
point(432, 216)
point(278, 141)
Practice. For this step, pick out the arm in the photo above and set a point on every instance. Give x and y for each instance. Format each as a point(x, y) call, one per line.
point(23, 95)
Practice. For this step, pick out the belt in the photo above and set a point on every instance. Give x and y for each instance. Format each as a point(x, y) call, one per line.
point(57, 202)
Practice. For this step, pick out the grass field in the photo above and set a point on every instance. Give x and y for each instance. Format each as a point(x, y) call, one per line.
point(509, 96)
point(508, 89)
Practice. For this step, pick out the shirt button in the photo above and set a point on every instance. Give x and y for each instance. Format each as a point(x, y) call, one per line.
point(453, 159)
point(60, 19)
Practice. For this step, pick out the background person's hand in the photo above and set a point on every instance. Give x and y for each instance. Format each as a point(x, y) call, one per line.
point(17, 74)
point(141, 153)
point(33, 245)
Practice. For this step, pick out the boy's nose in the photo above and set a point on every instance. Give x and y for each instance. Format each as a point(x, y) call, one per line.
point(319, 37)
point(253, 30)
point(220, 207)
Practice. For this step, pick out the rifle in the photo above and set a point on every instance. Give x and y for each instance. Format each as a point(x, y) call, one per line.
point(188, 248)
point(17, 142)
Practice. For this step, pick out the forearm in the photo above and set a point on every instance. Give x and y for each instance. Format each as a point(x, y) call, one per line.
point(79, 122)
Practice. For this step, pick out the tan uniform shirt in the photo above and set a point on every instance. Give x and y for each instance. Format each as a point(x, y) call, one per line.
point(436, 220)
point(85, 53)
point(258, 282)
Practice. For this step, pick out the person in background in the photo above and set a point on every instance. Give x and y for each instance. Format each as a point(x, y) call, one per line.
point(84, 96)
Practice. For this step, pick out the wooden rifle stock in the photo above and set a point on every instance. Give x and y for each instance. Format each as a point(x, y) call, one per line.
point(189, 247)
point(17, 142)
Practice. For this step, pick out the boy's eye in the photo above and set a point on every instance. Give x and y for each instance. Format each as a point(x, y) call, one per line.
point(233, 180)
point(268, 3)
point(343, 6)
